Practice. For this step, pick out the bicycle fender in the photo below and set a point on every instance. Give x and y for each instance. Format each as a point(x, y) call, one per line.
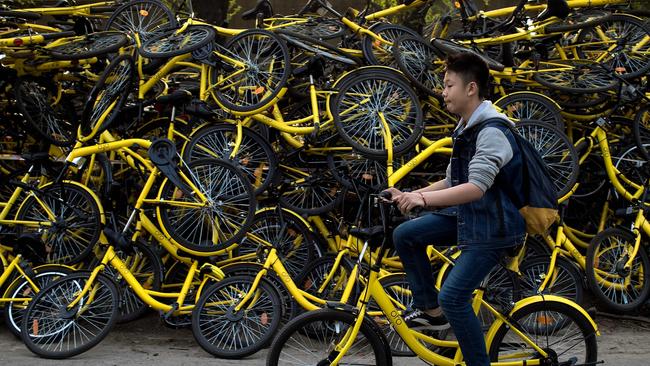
point(539, 298)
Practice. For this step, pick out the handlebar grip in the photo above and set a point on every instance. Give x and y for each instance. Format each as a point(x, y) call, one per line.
point(386, 195)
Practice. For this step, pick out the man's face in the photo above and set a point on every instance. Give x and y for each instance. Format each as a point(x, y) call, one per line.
point(457, 94)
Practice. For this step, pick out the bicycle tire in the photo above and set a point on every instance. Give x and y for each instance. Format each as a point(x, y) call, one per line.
point(288, 234)
point(352, 169)
point(259, 83)
point(307, 43)
point(170, 44)
point(228, 215)
point(306, 329)
point(641, 129)
point(51, 302)
point(556, 150)
point(45, 115)
point(606, 251)
point(576, 21)
point(107, 97)
point(448, 47)
point(315, 274)
point(421, 63)
point(231, 340)
point(626, 31)
point(580, 77)
point(531, 106)
point(21, 288)
point(251, 269)
point(311, 188)
point(567, 281)
point(145, 265)
point(360, 99)
point(377, 53)
point(315, 27)
point(146, 18)
point(88, 46)
point(540, 314)
point(255, 156)
point(78, 226)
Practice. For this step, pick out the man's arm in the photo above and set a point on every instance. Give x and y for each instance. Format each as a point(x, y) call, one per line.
point(441, 184)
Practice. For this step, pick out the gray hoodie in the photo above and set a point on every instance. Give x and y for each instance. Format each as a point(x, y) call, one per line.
point(493, 150)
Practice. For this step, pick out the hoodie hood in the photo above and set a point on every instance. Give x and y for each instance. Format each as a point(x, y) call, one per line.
point(484, 112)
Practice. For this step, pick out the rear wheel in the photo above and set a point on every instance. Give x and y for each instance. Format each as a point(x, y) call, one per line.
point(559, 329)
point(225, 332)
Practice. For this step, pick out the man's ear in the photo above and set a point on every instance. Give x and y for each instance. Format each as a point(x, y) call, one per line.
point(472, 88)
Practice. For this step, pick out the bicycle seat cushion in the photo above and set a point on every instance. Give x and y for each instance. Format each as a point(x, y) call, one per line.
point(373, 235)
point(177, 98)
point(557, 8)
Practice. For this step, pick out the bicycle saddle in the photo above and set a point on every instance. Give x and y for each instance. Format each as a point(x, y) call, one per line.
point(37, 157)
point(369, 234)
point(176, 98)
point(263, 6)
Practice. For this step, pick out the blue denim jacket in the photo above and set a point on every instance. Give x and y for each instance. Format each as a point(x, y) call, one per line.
point(493, 221)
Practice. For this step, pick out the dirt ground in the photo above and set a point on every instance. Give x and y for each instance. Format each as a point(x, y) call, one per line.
point(148, 342)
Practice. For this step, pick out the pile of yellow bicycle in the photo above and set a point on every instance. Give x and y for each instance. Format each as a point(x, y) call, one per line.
point(228, 178)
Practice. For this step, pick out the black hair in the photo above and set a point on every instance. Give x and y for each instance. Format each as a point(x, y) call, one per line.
point(470, 67)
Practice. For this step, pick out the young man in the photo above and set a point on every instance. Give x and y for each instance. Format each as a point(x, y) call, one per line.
point(479, 216)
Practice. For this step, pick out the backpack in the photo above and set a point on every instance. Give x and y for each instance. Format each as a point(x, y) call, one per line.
point(536, 199)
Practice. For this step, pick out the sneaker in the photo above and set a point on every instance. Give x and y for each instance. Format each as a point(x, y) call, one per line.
point(418, 319)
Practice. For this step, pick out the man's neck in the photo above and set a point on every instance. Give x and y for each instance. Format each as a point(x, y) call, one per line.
point(470, 110)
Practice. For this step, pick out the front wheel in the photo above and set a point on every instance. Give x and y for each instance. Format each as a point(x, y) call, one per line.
point(51, 329)
point(616, 287)
point(312, 337)
point(558, 328)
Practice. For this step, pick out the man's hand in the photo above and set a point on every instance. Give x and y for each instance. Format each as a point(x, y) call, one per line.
point(408, 201)
point(394, 193)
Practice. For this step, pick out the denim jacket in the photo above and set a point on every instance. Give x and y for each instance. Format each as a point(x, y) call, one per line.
point(493, 221)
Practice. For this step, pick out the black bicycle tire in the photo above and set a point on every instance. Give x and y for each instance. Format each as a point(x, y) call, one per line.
point(644, 26)
point(317, 19)
point(28, 105)
point(380, 29)
point(86, 196)
point(387, 76)
point(190, 153)
point(603, 299)
point(448, 47)
point(208, 37)
point(562, 26)
point(552, 117)
point(382, 357)
point(562, 265)
point(578, 67)
point(638, 128)
point(17, 284)
point(585, 326)
point(338, 54)
point(27, 326)
point(268, 99)
point(119, 39)
point(208, 248)
point(86, 127)
point(567, 148)
point(171, 18)
point(267, 337)
point(397, 54)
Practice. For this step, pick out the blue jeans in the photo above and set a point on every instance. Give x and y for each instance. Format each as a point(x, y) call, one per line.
point(411, 240)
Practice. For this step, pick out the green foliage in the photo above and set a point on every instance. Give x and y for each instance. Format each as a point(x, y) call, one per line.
point(233, 9)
